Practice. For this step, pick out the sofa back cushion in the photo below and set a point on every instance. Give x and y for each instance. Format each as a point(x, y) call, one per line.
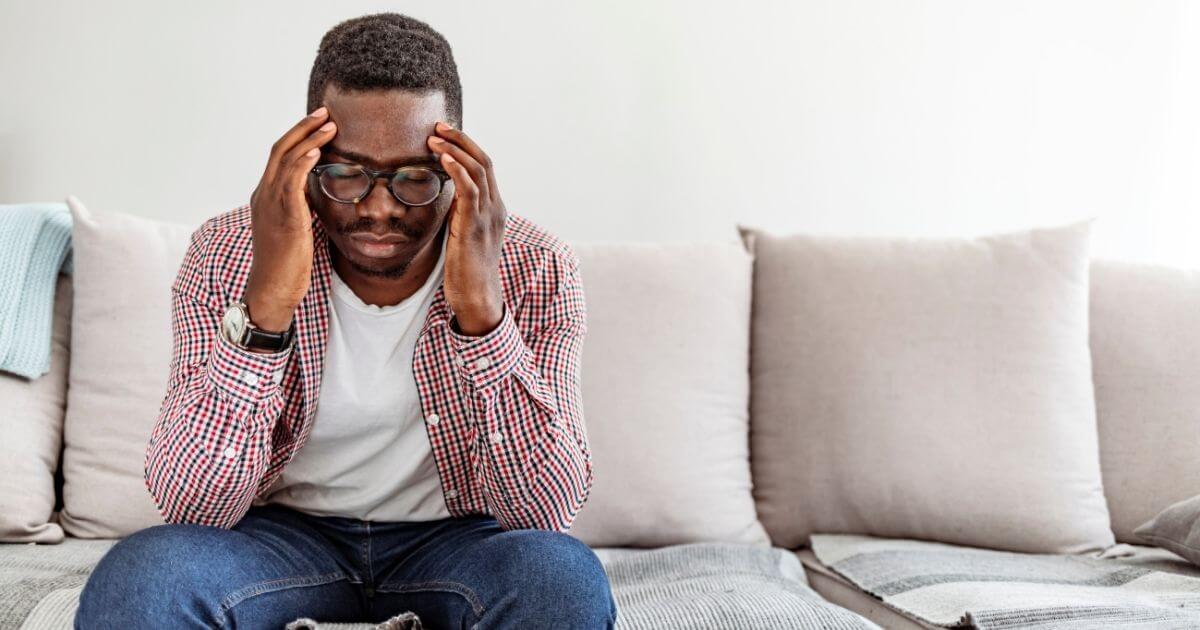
point(938, 389)
point(1146, 353)
point(120, 355)
point(665, 380)
point(666, 390)
point(33, 424)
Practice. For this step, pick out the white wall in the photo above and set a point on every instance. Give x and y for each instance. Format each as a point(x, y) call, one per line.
point(628, 120)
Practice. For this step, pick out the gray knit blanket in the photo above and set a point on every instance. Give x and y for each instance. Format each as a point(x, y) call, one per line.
point(698, 585)
point(717, 585)
point(945, 585)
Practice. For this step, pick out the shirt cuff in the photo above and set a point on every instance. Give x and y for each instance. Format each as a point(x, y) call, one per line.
point(489, 358)
point(244, 375)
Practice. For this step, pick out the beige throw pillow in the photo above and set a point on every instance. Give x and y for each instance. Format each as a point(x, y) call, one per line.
point(120, 356)
point(936, 389)
point(1176, 529)
point(1146, 358)
point(32, 436)
point(666, 393)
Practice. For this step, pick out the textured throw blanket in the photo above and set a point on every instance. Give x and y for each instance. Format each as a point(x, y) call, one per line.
point(717, 585)
point(951, 586)
point(35, 244)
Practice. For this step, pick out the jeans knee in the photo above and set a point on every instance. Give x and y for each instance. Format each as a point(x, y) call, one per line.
point(140, 578)
point(557, 575)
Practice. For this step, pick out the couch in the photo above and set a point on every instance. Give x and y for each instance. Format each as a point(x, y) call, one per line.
point(719, 502)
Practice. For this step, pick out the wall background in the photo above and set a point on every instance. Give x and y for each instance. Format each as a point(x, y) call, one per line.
point(627, 120)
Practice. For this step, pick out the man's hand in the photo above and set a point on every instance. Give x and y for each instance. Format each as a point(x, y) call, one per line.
point(282, 224)
point(476, 233)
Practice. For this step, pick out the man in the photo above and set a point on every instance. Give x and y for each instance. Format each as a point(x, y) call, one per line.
point(374, 403)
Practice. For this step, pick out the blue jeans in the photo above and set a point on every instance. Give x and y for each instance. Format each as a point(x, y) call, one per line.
point(278, 564)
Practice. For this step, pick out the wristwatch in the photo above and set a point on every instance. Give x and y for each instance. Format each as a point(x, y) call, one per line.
point(241, 332)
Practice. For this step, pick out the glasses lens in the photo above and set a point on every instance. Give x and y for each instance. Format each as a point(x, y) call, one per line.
point(416, 186)
point(344, 182)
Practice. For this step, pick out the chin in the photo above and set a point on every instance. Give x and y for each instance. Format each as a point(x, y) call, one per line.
point(382, 267)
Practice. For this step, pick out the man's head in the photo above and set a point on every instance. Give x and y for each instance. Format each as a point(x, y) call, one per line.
point(386, 79)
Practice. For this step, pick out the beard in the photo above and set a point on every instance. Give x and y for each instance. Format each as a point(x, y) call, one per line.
point(389, 270)
point(378, 268)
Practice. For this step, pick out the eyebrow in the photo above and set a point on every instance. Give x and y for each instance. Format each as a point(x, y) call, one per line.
point(359, 158)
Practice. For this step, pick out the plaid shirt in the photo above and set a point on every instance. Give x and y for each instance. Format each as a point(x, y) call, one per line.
point(503, 411)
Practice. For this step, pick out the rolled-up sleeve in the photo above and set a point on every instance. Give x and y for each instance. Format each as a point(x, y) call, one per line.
point(536, 468)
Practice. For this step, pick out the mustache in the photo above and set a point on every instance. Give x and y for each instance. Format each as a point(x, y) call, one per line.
point(365, 224)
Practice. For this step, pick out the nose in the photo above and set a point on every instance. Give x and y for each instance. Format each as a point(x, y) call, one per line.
point(380, 203)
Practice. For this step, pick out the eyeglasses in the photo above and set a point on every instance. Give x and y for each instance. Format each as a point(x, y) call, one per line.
point(351, 183)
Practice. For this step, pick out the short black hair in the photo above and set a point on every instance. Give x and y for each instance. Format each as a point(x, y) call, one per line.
point(385, 51)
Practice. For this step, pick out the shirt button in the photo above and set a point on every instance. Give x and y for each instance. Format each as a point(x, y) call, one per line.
point(250, 378)
point(482, 362)
point(230, 452)
point(433, 418)
point(459, 360)
point(277, 377)
point(497, 437)
point(451, 493)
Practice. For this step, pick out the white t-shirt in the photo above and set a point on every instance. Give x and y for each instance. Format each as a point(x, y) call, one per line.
point(367, 455)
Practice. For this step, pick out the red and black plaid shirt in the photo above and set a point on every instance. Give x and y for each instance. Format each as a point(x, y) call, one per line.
point(503, 411)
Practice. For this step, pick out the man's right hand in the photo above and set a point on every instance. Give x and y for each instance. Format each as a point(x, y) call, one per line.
point(282, 224)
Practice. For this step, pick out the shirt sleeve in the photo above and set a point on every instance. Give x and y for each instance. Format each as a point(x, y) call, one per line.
point(211, 443)
point(535, 465)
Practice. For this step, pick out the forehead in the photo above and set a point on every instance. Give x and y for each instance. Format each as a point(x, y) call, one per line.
point(388, 126)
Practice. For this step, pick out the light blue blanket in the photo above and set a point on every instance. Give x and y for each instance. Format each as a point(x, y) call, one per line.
point(35, 244)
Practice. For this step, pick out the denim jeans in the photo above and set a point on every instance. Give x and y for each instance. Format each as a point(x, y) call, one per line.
point(278, 564)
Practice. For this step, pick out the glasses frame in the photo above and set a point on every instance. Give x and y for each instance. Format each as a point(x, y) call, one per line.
point(442, 176)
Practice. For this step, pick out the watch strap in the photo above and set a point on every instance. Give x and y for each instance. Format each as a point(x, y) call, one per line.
point(255, 337)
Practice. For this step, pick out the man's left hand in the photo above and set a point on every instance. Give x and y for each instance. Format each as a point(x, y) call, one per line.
point(476, 233)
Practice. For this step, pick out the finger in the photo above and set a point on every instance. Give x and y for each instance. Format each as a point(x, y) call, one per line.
point(315, 140)
point(298, 132)
point(460, 137)
point(295, 185)
point(476, 170)
point(465, 188)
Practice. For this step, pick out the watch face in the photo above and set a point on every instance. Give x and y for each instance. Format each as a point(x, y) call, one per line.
point(233, 323)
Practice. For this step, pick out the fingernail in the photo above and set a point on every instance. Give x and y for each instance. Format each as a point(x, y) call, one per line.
point(327, 126)
point(318, 112)
point(436, 140)
point(448, 157)
point(443, 126)
point(313, 152)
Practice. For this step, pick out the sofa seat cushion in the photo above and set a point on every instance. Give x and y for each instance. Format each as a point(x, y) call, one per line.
point(40, 584)
point(696, 585)
point(945, 585)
